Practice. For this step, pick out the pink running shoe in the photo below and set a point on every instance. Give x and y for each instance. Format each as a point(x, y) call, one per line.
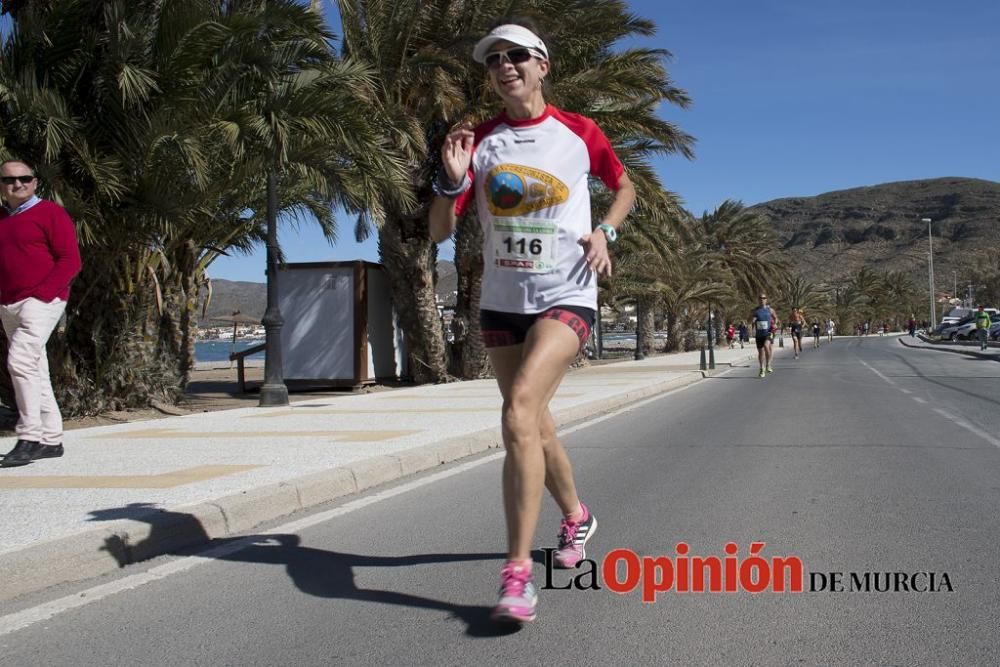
point(518, 596)
point(573, 536)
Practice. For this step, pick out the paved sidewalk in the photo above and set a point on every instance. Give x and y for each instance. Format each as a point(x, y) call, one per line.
point(125, 493)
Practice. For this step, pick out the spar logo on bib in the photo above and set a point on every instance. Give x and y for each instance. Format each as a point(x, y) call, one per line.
point(514, 190)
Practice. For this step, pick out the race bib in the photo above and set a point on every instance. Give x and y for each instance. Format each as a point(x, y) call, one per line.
point(763, 325)
point(527, 245)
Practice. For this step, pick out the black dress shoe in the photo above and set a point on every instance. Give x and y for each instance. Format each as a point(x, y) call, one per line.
point(22, 454)
point(47, 451)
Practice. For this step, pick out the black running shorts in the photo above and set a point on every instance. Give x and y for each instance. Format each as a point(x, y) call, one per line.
point(502, 329)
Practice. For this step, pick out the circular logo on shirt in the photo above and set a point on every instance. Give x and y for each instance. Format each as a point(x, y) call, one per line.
point(506, 190)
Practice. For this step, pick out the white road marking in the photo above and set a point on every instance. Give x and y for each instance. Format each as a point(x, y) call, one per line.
point(42, 612)
point(876, 372)
point(947, 415)
point(969, 427)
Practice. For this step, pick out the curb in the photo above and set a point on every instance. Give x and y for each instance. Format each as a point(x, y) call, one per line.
point(969, 353)
point(122, 542)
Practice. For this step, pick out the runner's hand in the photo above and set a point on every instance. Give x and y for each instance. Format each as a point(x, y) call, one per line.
point(595, 248)
point(456, 152)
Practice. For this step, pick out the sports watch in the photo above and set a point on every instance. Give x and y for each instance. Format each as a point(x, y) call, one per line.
point(609, 231)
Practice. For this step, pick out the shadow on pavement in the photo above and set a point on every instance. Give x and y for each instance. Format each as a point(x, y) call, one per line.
point(916, 371)
point(318, 572)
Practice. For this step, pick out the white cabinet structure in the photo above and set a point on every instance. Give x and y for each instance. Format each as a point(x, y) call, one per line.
point(340, 327)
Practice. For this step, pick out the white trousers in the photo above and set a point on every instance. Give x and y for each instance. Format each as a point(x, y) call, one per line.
point(28, 324)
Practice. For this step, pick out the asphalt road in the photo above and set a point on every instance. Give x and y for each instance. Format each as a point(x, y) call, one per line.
point(861, 457)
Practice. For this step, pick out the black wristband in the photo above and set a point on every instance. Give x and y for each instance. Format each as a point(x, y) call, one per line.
point(444, 187)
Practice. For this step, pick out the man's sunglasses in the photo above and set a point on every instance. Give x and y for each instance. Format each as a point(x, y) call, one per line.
point(9, 180)
point(516, 55)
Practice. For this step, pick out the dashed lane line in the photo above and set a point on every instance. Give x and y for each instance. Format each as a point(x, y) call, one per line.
point(958, 421)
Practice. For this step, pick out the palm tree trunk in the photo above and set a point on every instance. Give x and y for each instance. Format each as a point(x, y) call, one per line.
point(117, 350)
point(673, 341)
point(409, 257)
point(645, 326)
point(468, 353)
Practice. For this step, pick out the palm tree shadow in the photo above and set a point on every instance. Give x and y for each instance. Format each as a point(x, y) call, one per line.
point(318, 572)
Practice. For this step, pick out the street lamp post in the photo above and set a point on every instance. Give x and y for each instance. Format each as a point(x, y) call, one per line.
point(273, 392)
point(711, 337)
point(930, 270)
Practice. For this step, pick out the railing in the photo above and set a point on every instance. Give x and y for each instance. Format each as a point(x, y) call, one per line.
point(239, 358)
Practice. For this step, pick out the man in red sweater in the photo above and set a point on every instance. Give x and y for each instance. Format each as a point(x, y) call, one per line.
point(39, 257)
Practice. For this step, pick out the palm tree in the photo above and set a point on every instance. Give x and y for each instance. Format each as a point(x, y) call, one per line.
point(810, 298)
point(847, 307)
point(870, 286)
point(902, 296)
point(643, 268)
point(659, 265)
point(742, 249)
point(155, 123)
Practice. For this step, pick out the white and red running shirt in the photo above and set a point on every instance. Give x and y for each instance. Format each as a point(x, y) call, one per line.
point(530, 180)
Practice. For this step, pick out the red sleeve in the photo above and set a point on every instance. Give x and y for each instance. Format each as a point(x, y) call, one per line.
point(463, 200)
point(65, 252)
point(604, 164)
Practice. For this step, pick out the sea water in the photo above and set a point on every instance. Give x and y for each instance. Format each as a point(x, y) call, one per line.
point(219, 350)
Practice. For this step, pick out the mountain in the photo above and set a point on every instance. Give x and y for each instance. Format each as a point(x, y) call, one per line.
point(831, 236)
point(447, 283)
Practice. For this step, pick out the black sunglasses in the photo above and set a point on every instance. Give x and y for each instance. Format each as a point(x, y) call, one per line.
point(9, 180)
point(515, 55)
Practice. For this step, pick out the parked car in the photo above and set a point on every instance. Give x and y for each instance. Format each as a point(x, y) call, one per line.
point(967, 331)
point(939, 329)
point(955, 316)
point(994, 330)
point(949, 331)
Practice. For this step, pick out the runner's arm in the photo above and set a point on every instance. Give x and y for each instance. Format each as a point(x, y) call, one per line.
point(595, 245)
point(442, 218)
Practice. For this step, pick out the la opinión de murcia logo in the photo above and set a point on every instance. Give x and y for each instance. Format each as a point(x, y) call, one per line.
point(623, 571)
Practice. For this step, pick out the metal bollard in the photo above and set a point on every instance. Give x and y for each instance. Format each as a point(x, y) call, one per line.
point(702, 365)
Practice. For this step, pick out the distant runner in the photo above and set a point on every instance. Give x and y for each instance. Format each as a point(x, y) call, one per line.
point(796, 322)
point(982, 327)
point(816, 332)
point(764, 321)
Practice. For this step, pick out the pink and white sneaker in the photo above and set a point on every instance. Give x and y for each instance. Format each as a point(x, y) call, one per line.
point(518, 596)
point(573, 536)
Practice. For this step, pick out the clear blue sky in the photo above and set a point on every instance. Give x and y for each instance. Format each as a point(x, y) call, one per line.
point(795, 98)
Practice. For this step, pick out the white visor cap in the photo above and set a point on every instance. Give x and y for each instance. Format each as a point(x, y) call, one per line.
point(514, 34)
